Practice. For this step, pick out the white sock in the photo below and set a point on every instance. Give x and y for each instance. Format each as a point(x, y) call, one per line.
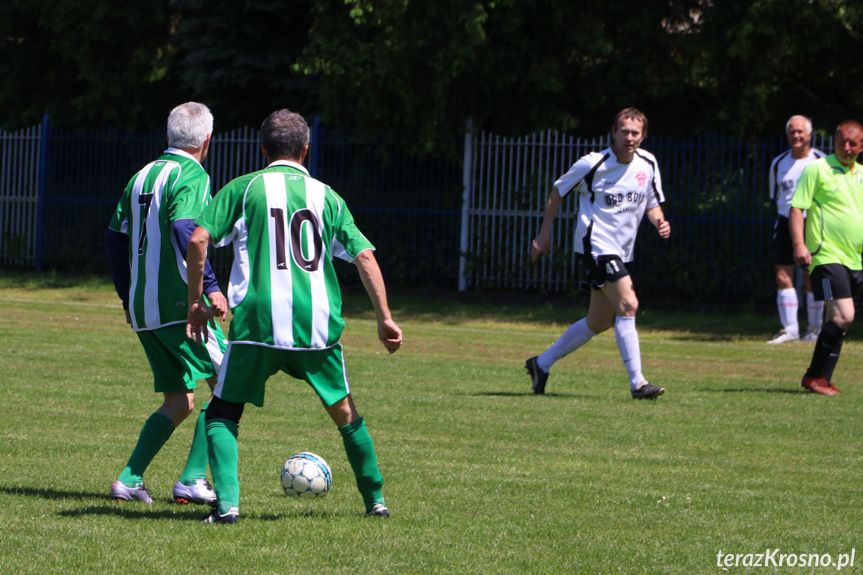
point(630, 350)
point(814, 312)
point(573, 338)
point(786, 301)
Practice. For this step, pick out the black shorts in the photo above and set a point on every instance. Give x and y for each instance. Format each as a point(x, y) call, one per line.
point(603, 270)
point(835, 281)
point(783, 251)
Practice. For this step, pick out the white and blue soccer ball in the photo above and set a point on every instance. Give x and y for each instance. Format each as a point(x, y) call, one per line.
point(306, 475)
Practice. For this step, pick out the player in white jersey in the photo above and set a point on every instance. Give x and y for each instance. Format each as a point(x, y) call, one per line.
point(146, 243)
point(616, 188)
point(285, 227)
point(785, 170)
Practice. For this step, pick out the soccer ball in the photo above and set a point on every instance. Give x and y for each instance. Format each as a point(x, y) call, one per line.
point(306, 475)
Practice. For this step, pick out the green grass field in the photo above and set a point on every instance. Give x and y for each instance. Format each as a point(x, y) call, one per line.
point(481, 476)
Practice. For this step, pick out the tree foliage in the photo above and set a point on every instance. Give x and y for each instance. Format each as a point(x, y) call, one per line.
point(238, 56)
point(414, 71)
point(85, 63)
point(760, 61)
point(693, 66)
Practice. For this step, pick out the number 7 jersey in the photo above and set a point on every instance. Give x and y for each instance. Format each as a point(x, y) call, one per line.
point(174, 187)
point(285, 228)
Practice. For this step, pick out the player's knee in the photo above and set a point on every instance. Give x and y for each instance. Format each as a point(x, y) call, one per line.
point(628, 307)
point(841, 312)
point(343, 411)
point(843, 320)
point(178, 406)
point(221, 409)
point(783, 278)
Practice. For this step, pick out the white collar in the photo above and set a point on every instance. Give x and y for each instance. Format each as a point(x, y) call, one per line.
point(291, 164)
point(179, 152)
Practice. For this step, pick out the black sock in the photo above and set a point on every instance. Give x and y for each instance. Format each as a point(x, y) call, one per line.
point(829, 341)
point(830, 364)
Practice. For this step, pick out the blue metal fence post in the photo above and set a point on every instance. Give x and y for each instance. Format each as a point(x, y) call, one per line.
point(43, 184)
point(467, 194)
point(315, 147)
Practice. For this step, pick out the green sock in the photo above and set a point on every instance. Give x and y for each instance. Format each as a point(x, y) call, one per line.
point(196, 464)
point(153, 436)
point(364, 462)
point(222, 444)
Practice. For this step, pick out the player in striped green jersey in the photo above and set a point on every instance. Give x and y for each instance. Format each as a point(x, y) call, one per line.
point(285, 228)
point(146, 243)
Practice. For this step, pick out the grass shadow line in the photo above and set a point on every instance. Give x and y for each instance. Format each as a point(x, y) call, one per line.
point(50, 493)
point(758, 390)
point(525, 394)
point(194, 513)
point(138, 512)
point(704, 337)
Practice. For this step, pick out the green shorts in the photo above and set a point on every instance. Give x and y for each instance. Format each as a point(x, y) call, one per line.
point(248, 366)
point(177, 361)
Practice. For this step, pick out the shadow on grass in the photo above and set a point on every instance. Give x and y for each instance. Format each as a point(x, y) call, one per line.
point(706, 337)
point(759, 390)
point(50, 493)
point(709, 322)
point(527, 394)
point(700, 321)
point(51, 280)
point(189, 513)
point(139, 511)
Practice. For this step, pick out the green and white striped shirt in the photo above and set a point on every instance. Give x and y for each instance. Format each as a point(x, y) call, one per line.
point(172, 188)
point(285, 228)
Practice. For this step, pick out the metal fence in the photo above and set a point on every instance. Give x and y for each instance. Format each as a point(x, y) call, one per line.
point(21, 186)
point(85, 175)
point(58, 190)
point(408, 206)
point(434, 222)
point(716, 200)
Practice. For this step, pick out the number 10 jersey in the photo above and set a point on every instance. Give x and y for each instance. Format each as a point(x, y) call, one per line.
point(285, 228)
